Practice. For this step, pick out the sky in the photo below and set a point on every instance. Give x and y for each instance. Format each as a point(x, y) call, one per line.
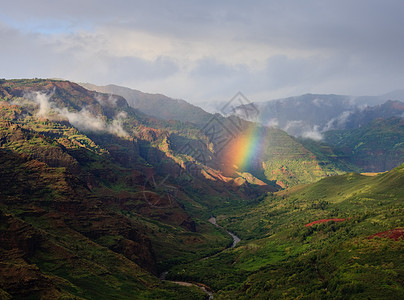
point(207, 51)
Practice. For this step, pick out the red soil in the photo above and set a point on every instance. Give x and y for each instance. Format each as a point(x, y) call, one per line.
point(394, 234)
point(323, 221)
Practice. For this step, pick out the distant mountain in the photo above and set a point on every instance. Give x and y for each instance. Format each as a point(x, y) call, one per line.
point(397, 95)
point(156, 105)
point(310, 115)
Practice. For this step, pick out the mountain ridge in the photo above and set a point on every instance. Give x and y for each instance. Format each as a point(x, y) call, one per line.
point(276, 174)
point(156, 104)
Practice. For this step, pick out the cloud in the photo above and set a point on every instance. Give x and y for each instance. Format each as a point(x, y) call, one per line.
point(294, 125)
point(42, 100)
point(116, 126)
point(83, 120)
point(207, 51)
point(110, 101)
point(300, 128)
point(338, 122)
point(273, 122)
point(313, 134)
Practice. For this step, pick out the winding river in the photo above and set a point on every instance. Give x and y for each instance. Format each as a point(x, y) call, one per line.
point(203, 287)
point(236, 239)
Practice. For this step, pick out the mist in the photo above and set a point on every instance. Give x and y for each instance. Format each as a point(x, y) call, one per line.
point(83, 120)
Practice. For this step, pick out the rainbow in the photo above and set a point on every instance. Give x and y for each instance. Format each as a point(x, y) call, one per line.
point(245, 148)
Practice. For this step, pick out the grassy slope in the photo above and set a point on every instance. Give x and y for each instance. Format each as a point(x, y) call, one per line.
point(292, 162)
point(376, 147)
point(281, 258)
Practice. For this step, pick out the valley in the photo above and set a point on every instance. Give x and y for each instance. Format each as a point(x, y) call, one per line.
point(205, 288)
point(235, 238)
point(111, 193)
point(294, 246)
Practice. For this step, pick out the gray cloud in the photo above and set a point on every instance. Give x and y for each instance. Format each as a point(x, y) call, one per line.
point(209, 50)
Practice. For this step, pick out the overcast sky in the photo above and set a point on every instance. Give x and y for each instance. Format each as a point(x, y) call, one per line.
point(209, 50)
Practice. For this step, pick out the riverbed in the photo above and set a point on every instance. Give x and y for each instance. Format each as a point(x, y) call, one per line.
point(236, 239)
point(203, 287)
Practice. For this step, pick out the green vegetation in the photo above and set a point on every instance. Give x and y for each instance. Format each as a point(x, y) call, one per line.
point(375, 147)
point(280, 257)
point(291, 162)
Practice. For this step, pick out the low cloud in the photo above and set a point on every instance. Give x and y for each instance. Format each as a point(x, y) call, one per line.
point(44, 105)
point(295, 125)
point(110, 101)
point(83, 120)
point(300, 128)
point(337, 122)
point(273, 122)
point(42, 100)
point(314, 134)
point(116, 126)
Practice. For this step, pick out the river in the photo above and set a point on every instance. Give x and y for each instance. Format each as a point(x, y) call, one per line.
point(203, 287)
point(236, 239)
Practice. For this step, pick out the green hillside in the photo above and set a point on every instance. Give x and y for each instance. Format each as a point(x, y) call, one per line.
point(283, 256)
point(376, 147)
point(291, 162)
